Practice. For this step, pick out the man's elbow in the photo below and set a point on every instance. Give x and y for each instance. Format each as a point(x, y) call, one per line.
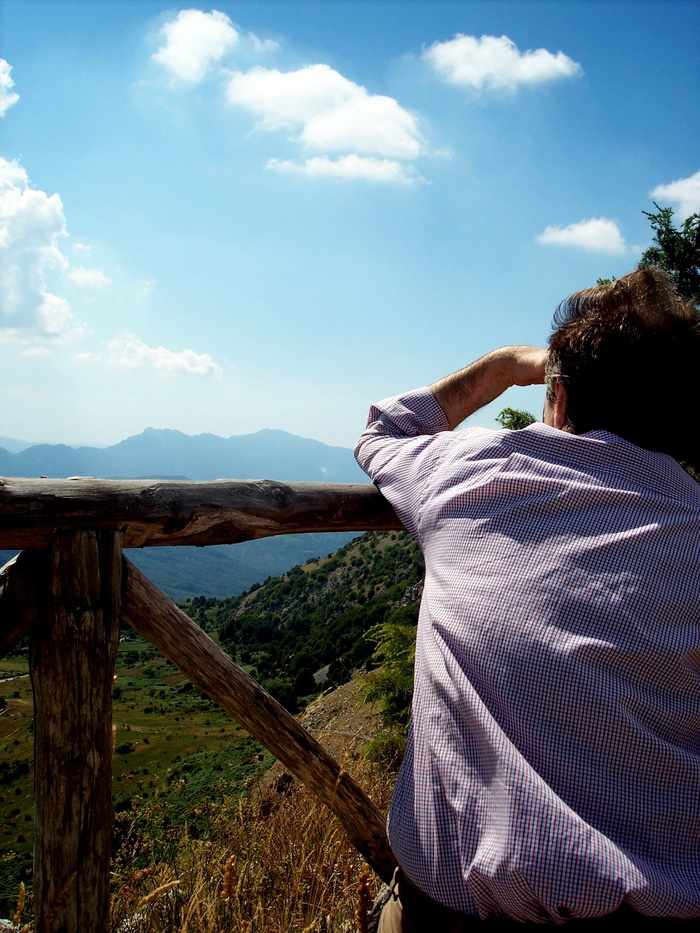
point(363, 453)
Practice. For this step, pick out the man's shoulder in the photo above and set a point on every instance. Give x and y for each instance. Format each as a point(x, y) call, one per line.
point(605, 456)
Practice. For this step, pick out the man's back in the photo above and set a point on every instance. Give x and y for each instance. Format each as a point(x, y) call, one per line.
point(553, 767)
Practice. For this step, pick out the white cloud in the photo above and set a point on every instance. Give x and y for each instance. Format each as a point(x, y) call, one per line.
point(31, 223)
point(7, 97)
point(495, 62)
point(349, 168)
point(87, 278)
point(262, 45)
point(38, 350)
point(685, 192)
point(194, 42)
point(329, 112)
point(146, 288)
point(131, 353)
point(598, 235)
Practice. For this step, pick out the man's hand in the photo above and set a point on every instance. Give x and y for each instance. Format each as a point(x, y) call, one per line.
point(527, 364)
point(464, 392)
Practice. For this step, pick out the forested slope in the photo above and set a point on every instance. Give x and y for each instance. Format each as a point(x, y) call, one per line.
point(287, 631)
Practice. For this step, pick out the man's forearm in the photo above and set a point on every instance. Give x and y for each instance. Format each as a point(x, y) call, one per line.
point(468, 390)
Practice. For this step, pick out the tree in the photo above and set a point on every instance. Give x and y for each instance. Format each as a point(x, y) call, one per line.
point(392, 684)
point(677, 251)
point(514, 420)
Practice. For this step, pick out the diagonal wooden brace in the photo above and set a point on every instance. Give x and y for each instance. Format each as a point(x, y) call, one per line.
point(21, 597)
point(158, 619)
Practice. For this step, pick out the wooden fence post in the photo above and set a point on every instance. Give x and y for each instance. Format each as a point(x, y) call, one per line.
point(72, 658)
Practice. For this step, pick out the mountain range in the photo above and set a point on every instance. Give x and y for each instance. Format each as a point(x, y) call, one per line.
point(183, 572)
point(267, 454)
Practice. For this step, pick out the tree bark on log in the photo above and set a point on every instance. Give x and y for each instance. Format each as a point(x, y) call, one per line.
point(72, 658)
point(160, 621)
point(168, 512)
point(21, 581)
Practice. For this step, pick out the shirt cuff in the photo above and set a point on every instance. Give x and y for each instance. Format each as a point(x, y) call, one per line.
point(410, 414)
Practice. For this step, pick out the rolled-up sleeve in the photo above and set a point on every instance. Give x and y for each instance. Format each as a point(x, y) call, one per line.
point(399, 448)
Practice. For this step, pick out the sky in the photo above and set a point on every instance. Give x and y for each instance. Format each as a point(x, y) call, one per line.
point(269, 214)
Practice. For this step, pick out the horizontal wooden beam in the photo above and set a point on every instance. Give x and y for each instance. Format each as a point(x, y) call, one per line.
point(159, 620)
point(156, 513)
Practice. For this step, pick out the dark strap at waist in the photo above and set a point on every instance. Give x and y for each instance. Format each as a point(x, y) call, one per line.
point(436, 916)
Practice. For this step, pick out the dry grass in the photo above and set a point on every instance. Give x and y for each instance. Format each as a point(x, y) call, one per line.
point(276, 862)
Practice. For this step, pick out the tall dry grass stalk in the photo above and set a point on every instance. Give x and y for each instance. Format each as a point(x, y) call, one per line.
point(21, 898)
point(276, 862)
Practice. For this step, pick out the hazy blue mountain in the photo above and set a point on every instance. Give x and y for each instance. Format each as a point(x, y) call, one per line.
point(13, 444)
point(219, 571)
point(266, 454)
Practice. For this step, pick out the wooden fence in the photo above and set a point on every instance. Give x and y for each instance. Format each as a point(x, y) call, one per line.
point(68, 591)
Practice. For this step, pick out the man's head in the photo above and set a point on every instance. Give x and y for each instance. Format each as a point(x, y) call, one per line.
point(625, 358)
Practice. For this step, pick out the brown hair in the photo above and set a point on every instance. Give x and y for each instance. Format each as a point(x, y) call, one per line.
point(628, 353)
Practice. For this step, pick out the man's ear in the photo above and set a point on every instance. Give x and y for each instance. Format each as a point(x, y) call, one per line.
point(560, 406)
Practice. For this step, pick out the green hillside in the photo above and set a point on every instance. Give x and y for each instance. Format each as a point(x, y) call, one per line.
point(314, 617)
point(175, 750)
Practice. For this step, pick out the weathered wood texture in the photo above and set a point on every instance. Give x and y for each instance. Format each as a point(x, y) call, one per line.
point(159, 620)
point(163, 513)
point(72, 657)
point(21, 597)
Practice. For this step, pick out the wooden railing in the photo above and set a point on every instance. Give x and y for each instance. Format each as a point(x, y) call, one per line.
point(68, 591)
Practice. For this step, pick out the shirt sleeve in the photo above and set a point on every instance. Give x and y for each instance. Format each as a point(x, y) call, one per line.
point(404, 438)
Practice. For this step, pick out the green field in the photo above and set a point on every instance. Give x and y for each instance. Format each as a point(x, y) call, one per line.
point(175, 750)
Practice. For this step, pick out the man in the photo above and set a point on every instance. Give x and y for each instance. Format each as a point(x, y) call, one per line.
point(552, 770)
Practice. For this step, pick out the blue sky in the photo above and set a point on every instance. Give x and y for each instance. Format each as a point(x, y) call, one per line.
point(226, 217)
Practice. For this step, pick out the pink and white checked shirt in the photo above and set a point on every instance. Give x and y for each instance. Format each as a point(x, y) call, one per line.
point(553, 761)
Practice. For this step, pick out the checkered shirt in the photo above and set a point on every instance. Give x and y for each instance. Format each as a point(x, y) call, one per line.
point(553, 761)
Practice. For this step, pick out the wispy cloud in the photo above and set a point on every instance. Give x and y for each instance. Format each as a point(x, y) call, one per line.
point(349, 168)
point(31, 225)
point(194, 41)
point(494, 62)
point(87, 278)
point(598, 235)
point(685, 193)
point(37, 350)
point(7, 96)
point(132, 353)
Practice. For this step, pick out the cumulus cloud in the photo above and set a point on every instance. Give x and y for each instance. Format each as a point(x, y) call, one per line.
point(495, 62)
point(329, 114)
point(87, 278)
point(598, 235)
point(349, 168)
point(194, 41)
point(7, 96)
point(31, 224)
point(130, 352)
point(685, 193)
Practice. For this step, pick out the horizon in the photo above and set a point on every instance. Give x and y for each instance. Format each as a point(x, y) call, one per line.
point(241, 216)
point(77, 446)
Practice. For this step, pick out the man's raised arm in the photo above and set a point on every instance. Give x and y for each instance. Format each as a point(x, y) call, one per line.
point(406, 435)
point(468, 390)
